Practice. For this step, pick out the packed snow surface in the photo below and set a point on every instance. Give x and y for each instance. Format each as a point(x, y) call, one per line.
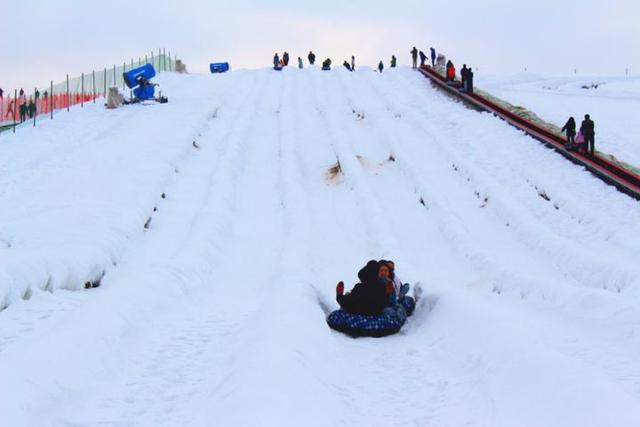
point(218, 225)
point(612, 102)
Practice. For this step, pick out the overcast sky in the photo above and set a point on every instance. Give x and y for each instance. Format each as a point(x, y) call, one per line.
point(43, 40)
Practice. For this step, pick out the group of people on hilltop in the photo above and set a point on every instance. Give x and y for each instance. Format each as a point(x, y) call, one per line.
point(281, 62)
point(584, 140)
point(379, 289)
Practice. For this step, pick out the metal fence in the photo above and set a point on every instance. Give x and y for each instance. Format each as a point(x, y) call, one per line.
point(22, 108)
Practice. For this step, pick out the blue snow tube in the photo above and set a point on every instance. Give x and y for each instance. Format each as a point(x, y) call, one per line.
point(219, 67)
point(360, 325)
point(131, 77)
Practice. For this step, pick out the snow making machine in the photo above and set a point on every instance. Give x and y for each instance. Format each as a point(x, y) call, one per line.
point(139, 79)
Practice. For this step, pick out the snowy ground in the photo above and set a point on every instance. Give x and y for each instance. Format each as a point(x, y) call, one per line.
point(612, 102)
point(213, 313)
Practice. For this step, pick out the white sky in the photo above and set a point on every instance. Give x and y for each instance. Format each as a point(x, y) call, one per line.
point(43, 40)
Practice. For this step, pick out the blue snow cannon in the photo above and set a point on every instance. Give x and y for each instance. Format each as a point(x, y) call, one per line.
point(219, 67)
point(138, 79)
point(132, 78)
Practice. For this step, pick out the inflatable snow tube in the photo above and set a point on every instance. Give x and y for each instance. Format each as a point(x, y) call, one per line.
point(409, 305)
point(360, 325)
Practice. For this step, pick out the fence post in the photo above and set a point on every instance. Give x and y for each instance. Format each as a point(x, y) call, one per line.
point(124, 70)
point(152, 59)
point(35, 100)
point(68, 93)
point(145, 59)
point(82, 90)
point(132, 63)
point(115, 82)
point(51, 100)
point(15, 108)
point(93, 84)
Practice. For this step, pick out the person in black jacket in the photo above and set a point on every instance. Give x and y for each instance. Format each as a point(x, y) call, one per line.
point(369, 296)
point(311, 57)
point(326, 64)
point(433, 57)
point(423, 58)
point(414, 57)
point(276, 60)
point(469, 80)
point(588, 130)
point(285, 59)
point(380, 66)
point(394, 61)
point(347, 65)
point(463, 75)
point(570, 128)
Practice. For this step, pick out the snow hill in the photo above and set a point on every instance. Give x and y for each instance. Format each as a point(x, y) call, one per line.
point(217, 226)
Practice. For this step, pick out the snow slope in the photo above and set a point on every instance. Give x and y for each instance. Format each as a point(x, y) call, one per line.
point(612, 102)
point(214, 313)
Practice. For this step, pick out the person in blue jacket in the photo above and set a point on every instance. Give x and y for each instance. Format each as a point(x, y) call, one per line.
point(433, 57)
point(276, 60)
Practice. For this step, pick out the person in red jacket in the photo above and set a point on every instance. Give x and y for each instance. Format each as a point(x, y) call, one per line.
point(451, 72)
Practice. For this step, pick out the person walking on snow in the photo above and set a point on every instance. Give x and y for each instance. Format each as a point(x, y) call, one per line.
point(469, 80)
point(380, 66)
point(394, 61)
point(300, 63)
point(423, 58)
point(463, 75)
point(570, 128)
point(311, 57)
point(433, 57)
point(353, 63)
point(414, 57)
point(588, 130)
point(31, 108)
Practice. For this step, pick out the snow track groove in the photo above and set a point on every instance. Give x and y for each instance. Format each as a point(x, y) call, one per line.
point(215, 314)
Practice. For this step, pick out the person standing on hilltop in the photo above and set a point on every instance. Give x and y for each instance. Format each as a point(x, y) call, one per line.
point(414, 57)
point(380, 66)
point(433, 57)
point(423, 58)
point(311, 57)
point(394, 61)
point(353, 63)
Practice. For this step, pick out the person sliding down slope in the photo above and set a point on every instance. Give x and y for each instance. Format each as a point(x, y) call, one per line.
point(399, 296)
point(370, 296)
